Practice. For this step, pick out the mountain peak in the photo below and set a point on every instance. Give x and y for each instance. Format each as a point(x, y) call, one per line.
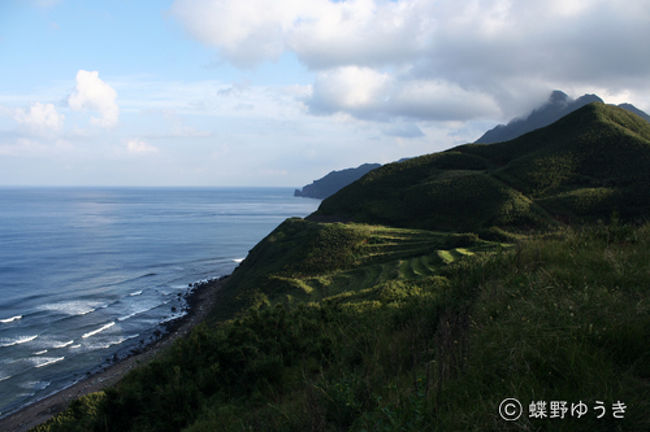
point(557, 97)
point(589, 164)
point(557, 106)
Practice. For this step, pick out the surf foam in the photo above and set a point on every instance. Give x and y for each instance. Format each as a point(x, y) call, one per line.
point(19, 340)
point(99, 330)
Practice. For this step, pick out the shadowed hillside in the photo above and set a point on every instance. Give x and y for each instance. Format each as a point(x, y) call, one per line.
point(585, 166)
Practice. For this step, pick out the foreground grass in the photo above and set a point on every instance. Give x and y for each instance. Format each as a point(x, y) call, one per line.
point(431, 333)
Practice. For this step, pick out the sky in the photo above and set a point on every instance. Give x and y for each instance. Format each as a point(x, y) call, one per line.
point(278, 93)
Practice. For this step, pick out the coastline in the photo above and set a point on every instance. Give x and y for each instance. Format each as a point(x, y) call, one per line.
point(199, 301)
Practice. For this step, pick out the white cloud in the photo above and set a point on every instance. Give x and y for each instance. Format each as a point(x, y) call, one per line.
point(40, 117)
point(245, 32)
point(91, 93)
point(137, 146)
point(349, 88)
point(502, 52)
point(366, 93)
point(322, 33)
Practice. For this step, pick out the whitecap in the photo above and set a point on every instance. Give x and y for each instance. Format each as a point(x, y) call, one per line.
point(75, 346)
point(40, 352)
point(4, 378)
point(99, 330)
point(135, 293)
point(12, 319)
point(126, 317)
point(75, 307)
point(144, 308)
point(109, 343)
point(173, 317)
point(40, 362)
point(62, 344)
point(238, 260)
point(17, 341)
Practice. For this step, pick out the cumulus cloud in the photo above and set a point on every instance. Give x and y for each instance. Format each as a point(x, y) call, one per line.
point(40, 117)
point(322, 33)
point(93, 94)
point(140, 147)
point(366, 93)
point(483, 52)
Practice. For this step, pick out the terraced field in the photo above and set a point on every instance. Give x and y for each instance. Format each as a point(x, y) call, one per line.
point(365, 259)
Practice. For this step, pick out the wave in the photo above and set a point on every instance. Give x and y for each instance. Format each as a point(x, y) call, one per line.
point(45, 361)
point(110, 343)
point(75, 346)
point(12, 319)
point(62, 344)
point(144, 307)
point(135, 293)
point(181, 313)
point(126, 317)
point(17, 341)
point(4, 378)
point(40, 352)
point(74, 307)
point(99, 330)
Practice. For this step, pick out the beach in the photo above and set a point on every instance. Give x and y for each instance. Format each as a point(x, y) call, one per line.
point(200, 301)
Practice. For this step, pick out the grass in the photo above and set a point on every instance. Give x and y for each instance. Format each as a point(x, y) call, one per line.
point(414, 344)
point(303, 261)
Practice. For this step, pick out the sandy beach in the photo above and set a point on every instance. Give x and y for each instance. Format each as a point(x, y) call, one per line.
point(200, 303)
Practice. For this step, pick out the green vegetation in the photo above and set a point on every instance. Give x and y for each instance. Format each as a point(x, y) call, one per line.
point(413, 343)
point(351, 326)
point(576, 170)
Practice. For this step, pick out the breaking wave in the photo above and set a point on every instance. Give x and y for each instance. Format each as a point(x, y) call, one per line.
point(99, 330)
point(19, 340)
point(40, 362)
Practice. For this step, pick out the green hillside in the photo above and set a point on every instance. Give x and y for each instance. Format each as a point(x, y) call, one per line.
point(581, 168)
point(303, 262)
point(411, 321)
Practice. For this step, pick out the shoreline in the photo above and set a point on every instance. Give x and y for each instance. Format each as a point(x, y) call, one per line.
point(200, 301)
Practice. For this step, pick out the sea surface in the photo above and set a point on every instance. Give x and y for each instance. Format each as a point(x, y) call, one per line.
point(87, 274)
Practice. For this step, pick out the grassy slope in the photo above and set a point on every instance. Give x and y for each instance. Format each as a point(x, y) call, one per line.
point(577, 169)
point(412, 343)
point(303, 261)
point(332, 326)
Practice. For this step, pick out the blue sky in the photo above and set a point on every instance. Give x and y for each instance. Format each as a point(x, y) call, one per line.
point(262, 92)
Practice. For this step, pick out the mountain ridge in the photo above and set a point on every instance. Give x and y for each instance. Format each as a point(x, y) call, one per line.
point(558, 105)
point(587, 164)
point(334, 181)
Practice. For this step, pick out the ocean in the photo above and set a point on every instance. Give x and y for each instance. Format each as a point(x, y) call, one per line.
point(87, 274)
